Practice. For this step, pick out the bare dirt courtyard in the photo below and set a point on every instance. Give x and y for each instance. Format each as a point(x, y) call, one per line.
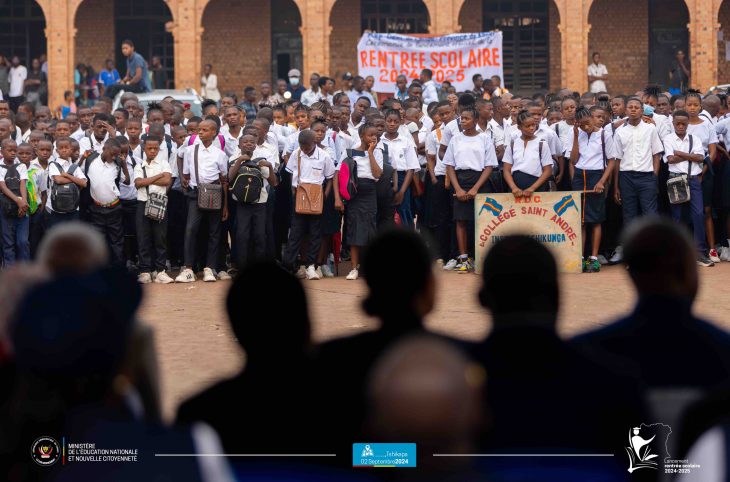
point(196, 348)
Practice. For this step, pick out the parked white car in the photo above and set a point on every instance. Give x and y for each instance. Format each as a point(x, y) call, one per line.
point(189, 96)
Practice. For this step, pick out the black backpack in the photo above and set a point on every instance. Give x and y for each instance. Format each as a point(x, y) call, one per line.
point(64, 197)
point(249, 182)
point(12, 181)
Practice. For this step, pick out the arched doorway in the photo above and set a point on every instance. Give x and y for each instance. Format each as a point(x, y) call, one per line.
point(723, 64)
point(146, 23)
point(286, 39)
point(384, 16)
point(668, 20)
point(22, 26)
point(530, 41)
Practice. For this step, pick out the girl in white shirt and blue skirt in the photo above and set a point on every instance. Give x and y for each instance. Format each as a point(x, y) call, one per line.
point(527, 162)
point(470, 158)
point(362, 208)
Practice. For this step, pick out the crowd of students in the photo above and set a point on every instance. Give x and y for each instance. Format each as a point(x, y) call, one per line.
point(297, 406)
point(176, 194)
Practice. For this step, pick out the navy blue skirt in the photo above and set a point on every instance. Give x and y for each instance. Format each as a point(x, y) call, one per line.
point(593, 204)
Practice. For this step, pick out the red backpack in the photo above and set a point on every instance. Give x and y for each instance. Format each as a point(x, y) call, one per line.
point(347, 176)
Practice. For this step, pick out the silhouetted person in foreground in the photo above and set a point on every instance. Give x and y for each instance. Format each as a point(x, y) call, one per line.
point(265, 408)
point(400, 299)
point(678, 357)
point(662, 341)
point(543, 395)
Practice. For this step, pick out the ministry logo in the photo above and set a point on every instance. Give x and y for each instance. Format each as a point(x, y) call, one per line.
point(647, 446)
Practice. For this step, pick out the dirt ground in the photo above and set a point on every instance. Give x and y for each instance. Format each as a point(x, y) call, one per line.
point(196, 348)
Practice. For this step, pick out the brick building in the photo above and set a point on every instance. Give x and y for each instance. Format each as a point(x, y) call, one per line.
point(547, 42)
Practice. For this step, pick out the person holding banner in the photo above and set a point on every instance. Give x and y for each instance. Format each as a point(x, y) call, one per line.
point(469, 160)
point(527, 163)
point(592, 157)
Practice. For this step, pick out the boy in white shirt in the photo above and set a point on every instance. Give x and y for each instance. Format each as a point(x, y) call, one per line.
point(209, 162)
point(597, 74)
point(104, 173)
point(685, 155)
point(251, 214)
point(152, 176)
point(128, 198)
point(62, 171)
point(312, 165)
point(38, 171)
point(102, 130)
point(14, 217)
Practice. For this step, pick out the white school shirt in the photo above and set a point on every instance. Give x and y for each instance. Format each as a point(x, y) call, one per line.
point(495, 133)
point(527, 159)
point(315, 168)
point(674, 143)
point(78, 134)
point(545, 134)
point(53, 171)
point(706, 115)
point(502, 132)
point(292, 142)
point(590, 150)
point(595, 71)
point(270, 153)
point(401, 152)
point(423, 133)
point(722, 129)
point(17, 77)
point(451, 129)
point(129, 192)
point(40, 178)
point(89, 143)
point(103, 180)
point(433, 142)
point(706, 132)
point(309, 97)
point(158, 165)
point(664, 125)
point(429, 92)
point(564, 131)
point(231, 140)
point(22, 170)
point(635, 146)
point(470, 153)
point(212, 163)
point(363, 162)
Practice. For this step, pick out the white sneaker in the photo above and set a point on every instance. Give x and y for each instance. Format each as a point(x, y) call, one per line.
point(208, 275)
point(312, 273)
point(319, 272)
point(163, 278)
point(451, 265)
point(713, 256)
point(144, 278)
point(185, 276)
point(724, 253)
point(618, 255)
point(327, 272)
point(223, 275)
point(302, 273)
point(353, 275)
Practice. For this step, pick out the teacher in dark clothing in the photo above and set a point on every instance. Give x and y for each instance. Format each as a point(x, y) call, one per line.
point(136, 80)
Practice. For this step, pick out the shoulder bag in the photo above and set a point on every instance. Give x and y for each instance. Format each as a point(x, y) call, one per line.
point(156, 206)
point(308, 195)
point(678, 186)
point(210, 195)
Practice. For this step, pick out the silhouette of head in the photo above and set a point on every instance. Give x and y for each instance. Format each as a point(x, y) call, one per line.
point(520, 277)
point(422, 389)
point(73, 248)
point(267, 326)
point(397, 294)
point(660, 257)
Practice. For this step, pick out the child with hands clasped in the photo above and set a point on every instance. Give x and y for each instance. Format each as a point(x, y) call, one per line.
point(527, 163)
point(469, 160)
point(15, 221)
point(592, 160)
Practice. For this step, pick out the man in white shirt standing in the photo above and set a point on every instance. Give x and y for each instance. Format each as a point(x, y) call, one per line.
point(430, 94)
point(312, 94)
point(597, 74)
point(16, 77)
point(638, 151)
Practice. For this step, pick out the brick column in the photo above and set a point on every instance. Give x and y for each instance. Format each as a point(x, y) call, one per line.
point(573, 44)
point(444, 16)
point(315, 32)
point(60, 33)
point(703, 27)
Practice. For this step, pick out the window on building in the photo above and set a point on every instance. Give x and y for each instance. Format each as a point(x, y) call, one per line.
point(525, 42)
point(286, 39)
point(394, 16)
point(22, 26)
point(144, 23)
